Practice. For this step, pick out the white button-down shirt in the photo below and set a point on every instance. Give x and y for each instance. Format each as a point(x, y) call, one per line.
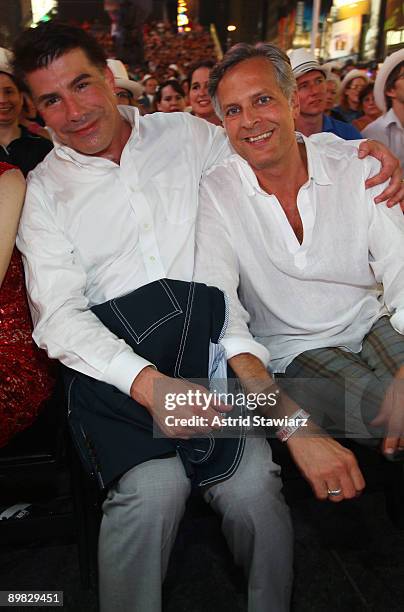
point(388, 130)
point(294, 297)
point(92, 230)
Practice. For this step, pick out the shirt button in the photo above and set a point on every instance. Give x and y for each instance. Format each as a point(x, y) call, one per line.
point(146, 226)
point(152, 258)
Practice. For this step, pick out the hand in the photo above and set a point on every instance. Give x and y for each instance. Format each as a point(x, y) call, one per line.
point(155, 392)
point(327, 465)
point(394, 193)
point(391, 415)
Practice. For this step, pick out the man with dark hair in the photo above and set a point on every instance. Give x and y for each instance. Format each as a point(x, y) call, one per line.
point(58, 40)
point(112, 210)
point(389, 97)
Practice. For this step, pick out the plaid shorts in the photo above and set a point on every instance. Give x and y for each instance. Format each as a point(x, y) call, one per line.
point(343, 391)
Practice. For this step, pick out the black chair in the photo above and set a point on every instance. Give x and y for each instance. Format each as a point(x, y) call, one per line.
point(39, 467)
point(379, 474)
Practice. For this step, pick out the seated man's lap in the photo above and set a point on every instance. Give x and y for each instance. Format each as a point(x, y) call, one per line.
point(383, 349)
point(256, 477)
point(342, 390)
point(161, 485)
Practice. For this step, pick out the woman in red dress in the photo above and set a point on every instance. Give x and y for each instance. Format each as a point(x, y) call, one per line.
point(25, 375)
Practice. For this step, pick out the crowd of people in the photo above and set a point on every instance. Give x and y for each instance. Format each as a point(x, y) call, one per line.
point(165, 47)
point(333, 98)
point(141, 214)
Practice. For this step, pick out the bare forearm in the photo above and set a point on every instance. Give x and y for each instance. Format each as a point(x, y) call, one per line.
point(12, 189)
point(255, 378)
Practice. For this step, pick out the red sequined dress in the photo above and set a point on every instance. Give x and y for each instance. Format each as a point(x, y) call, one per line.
point(26, 379)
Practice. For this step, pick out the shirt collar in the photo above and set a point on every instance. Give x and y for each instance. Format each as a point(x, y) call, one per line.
point(130, 113)
point(315, 167)
point(391, 118)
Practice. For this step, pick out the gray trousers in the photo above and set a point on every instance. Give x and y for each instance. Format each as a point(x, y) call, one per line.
point(142, 512)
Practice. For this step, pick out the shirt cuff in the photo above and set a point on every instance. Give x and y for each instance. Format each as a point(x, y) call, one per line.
point(236, 346)
point(123, 370)
point(397, 321)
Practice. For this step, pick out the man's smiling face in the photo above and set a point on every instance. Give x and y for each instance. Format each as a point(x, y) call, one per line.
point(76, 100)
point(258, 118)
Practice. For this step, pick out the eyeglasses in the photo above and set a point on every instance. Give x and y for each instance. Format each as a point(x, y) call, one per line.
point(124, 95)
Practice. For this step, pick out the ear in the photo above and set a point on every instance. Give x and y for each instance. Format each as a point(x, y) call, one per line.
point(109, 77)
point(294, 104)
point(391, 92)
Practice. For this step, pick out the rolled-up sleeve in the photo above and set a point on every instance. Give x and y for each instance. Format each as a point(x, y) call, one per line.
point(63, 324)
point(216, 263)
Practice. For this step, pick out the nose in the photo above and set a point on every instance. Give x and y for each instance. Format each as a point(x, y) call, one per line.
point(249, 117)
point(203, 92)
point(73, 109)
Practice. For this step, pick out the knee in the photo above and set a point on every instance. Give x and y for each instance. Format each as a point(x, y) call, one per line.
point(148, 502)
point(264, 492)
point(161, 505)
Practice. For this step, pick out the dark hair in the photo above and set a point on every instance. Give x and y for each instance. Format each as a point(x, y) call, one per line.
point(206, 64)
point(174, 84)
point(390, 82)
point(243, 51)
point(38, 47)
point(368, 89)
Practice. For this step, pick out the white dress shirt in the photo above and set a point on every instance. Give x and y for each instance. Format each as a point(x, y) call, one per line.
point(388, 130)
point(92, 230)
point(294, 297)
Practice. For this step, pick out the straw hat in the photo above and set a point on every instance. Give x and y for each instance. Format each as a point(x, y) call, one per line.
point(380, 83)
point(351, 75)
point(302, 61)
point(121, 78)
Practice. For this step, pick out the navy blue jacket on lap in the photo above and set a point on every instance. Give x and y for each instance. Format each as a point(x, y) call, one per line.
point(172, 324)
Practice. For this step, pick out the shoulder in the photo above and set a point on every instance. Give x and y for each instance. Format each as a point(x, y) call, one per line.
point(181, 123)
point(333, 146)
point(49, 172)
point(376, 128)
point(224, 182)
point(340, 157)
point(345, 130)
point(12, 178)
point(225, 170)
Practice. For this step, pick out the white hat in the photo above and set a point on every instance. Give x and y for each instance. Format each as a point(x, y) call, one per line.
point(121, 78)
point(147, 77)
point(174, 67)
point(351, 75)
point(380, 83)
point(302, 61)
point(333, 64)
point(6, 57)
